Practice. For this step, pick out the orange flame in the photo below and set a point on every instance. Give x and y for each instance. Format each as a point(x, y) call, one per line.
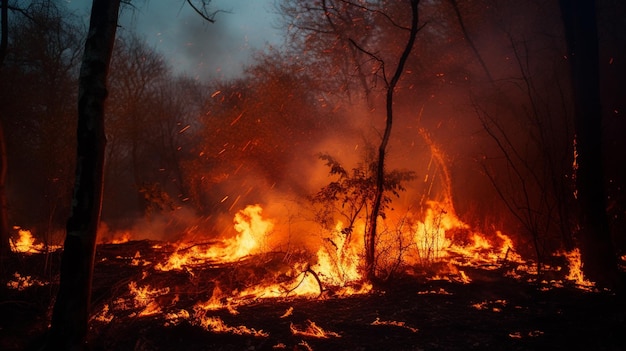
point(26, 243)
point(313, 330)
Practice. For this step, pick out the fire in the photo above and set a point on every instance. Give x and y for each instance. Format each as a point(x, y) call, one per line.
point(313, 330)
point(394, 323)
point(575, 269)
point(26, 243)
point(252, 229)
point(144, 297)
point(430, 235)
point(217, 325)
point(338, 261)
point(21, 282)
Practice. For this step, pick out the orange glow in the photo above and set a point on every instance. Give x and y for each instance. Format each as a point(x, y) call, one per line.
point(217, 325)
point(394, 323)
point(26, 243)
point(338, 261)
point(144, 297)
point(575, 269)
point(21, 282)
point(252, 229)
point(313, 330)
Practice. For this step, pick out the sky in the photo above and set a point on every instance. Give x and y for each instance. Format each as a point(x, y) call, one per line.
point(193, 46)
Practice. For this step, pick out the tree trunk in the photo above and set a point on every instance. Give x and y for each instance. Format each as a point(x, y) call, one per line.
point(71, 311)
point(5, 248)
point(5, 233)
point(598, 255)
point(370, 241)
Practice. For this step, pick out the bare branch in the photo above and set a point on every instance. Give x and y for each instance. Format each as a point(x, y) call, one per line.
point(373, 56)
point(378, 12)
point(204, 12)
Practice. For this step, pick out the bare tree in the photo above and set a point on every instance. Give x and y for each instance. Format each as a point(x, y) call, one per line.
point(71, 310)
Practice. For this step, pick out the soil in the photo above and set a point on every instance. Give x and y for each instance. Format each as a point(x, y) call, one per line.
point(408, 312)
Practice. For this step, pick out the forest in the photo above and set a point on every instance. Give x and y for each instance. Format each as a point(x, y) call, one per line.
point(395, 135)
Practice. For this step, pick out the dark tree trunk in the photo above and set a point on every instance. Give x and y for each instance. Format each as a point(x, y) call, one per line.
point(600, 262)
point(71, 310)
point(5, 235)
point(371, 236)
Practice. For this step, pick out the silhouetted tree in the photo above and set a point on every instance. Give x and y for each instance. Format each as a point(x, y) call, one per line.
point(70, 317)
point(581, 33)
point(4, 225)
point(371, 234)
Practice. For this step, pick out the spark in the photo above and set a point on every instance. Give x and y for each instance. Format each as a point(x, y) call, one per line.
point(184, 129)
point(236, 119)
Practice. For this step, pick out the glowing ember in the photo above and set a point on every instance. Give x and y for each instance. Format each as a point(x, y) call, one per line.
point(104, 315)
point(287, 313)
point(313, 330)
point(495, 306)
point(22, 283)
point(395, 324)
point(217, 325)
point(441, 291)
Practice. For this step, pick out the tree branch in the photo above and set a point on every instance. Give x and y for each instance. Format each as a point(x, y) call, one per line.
point(203, 12)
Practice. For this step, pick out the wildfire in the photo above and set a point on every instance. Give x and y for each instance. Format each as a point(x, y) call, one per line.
point(26, 243)
point(338, 261)
point(144, 297)
point(575, 269)
point(252, 229)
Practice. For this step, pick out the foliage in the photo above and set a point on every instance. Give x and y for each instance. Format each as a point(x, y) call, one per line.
point(351, 194)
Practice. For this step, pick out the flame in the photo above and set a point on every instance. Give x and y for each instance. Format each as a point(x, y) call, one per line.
point(313, 330)
point(338, 261)
point(394, 323)
point(26, 243)
point(122, 238)
point(104, 316)
point(576, 269)
point(21, 282)
point(217, 325)
point(144, 297)
point(252, 229)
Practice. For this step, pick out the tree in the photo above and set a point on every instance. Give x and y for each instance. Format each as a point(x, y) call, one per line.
point(371, 234)
point(367, 34)
point(130, 113)
point(71, 310)
point(598, 255)
point(70, 317)
point(528, 167)
point(37, 115)
point(4, 225)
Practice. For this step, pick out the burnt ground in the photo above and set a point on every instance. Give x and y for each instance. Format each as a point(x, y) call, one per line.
point(492, 312)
